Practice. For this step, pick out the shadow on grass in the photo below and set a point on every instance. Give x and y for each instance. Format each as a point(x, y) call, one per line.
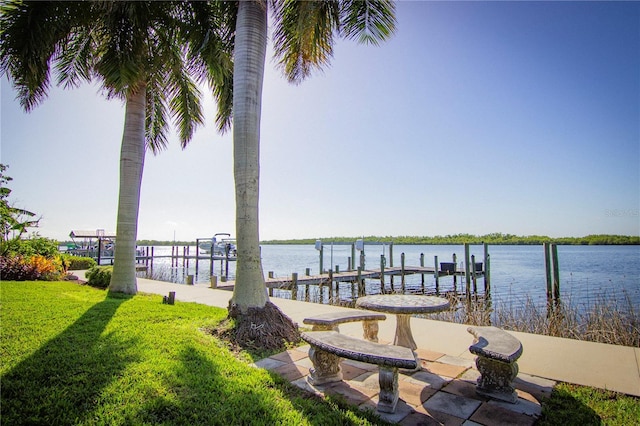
point(208, 394)
point(563, 408)
point(60, 383)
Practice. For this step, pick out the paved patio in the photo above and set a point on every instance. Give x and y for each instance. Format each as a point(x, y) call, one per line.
point(442, 392)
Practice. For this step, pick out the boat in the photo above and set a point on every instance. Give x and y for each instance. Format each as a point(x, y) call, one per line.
point(222, 247)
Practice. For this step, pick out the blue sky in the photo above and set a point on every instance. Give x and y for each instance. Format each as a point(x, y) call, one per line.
point(476, 117)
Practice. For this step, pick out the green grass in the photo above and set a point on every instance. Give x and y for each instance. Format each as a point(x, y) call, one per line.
point(72, 354)
point(581, 405)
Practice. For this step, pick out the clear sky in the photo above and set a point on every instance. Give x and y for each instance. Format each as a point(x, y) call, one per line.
point(476, 117)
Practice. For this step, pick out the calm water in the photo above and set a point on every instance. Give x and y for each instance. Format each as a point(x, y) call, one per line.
point(588, 274)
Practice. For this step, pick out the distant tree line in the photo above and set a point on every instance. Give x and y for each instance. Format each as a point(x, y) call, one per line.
point(494, 238)
point(457, 239)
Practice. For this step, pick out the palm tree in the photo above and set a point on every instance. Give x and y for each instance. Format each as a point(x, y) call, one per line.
point(149, 54)
point(303, 39)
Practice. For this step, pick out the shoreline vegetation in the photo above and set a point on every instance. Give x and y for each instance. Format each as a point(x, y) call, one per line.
point(457, 239)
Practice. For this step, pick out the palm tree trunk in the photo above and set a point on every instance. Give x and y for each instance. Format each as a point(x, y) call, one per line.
point(250, 51)
point(123, 279)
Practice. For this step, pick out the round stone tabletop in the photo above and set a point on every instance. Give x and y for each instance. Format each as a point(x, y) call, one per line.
point(403, 303)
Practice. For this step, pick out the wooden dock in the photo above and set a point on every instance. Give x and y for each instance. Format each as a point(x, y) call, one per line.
point(333, 283)
point(354, 276)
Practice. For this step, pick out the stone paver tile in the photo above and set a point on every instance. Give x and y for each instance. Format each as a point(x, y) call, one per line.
point(446, 370)
point(463, 388)
point(471, 423)
point(434, 417)
point(538, 387)
point(304, 362)
point(456, 360)
point(402, 410)
point(522, 406)
point(528, 397)
point(427, 379)
point(302, 383)
point(354, 395)
point(361, 365)
point(471, 375)
point(269, 364)
point(349, 371)
point(303, 348)
point(367, 380)
point(291, 372)
point(413, 393)
point(291, 355)
point(489, 414)
point(455, 405)
point(428, 355)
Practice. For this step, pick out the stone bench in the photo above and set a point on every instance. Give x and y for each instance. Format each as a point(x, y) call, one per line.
point(497, 352)
point(331, 321)
point(327, 347)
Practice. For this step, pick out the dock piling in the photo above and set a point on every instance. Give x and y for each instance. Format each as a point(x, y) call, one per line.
point(382, 263)
point(467, 272)
point(422, 266)
point(547, 268)
point(294, 286)
point(487, 269)
point(436, 274)
point(556, 272)
point(402, 272)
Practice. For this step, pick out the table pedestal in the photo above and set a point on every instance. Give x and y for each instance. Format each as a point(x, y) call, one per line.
point(404, 337)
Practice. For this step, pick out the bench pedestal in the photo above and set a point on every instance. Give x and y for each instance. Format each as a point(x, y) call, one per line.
point(326, 367)
point(497, 353)
point(496, 379)
point(389, 392)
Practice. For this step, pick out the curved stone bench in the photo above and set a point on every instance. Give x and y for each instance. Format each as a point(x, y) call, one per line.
point(497, 352)
point(331, 321)
point(327, 347)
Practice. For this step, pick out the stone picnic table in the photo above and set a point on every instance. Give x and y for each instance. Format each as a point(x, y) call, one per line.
point(403, 306)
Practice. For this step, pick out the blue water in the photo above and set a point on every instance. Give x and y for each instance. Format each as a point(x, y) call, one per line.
point(588, 274)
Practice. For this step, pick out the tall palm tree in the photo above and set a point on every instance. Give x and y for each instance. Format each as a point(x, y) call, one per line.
point(149, 54)
point(303, 40)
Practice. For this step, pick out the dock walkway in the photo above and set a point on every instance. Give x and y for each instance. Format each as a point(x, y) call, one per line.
point(286, 283)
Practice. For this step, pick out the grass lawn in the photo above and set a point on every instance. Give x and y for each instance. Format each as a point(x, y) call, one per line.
point(71, 354)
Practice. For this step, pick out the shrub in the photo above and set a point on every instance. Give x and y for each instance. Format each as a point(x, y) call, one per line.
point(31, 268)
point(30, 247)
point(99, 276)
point(76, 263)
point(15, 268)
point(48, 269)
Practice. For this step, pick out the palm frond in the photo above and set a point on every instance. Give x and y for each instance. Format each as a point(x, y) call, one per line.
point(303, 35)
point(368, 21)
point(185, 105)
point(156, 120)
point(31, 34)
point(76, 60)
point(209, 32)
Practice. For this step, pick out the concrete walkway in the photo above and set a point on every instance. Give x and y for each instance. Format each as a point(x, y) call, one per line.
point(443, 390)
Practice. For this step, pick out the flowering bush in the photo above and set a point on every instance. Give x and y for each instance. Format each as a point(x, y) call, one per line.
point(31, 259)
point(30, 268)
